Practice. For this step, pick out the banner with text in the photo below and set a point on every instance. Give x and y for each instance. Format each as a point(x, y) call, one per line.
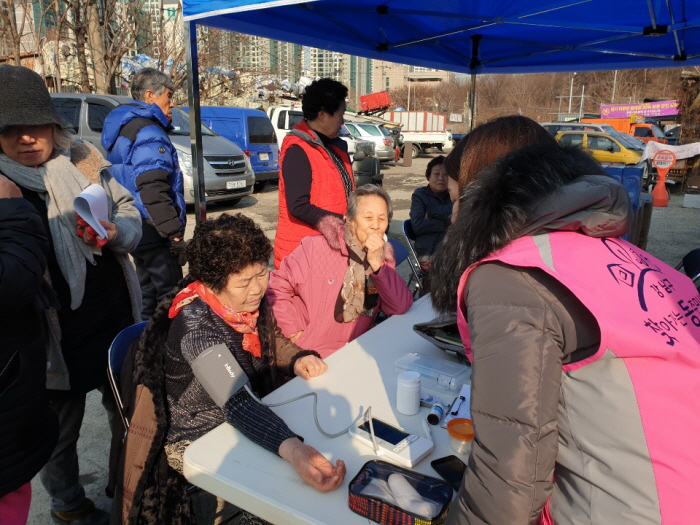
point(647, 109)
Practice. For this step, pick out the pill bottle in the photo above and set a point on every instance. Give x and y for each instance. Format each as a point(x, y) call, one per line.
point(408, 393)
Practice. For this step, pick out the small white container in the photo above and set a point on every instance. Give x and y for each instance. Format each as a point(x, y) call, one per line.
point(408, 393)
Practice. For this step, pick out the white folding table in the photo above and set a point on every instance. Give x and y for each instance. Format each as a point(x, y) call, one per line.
point(227, 464)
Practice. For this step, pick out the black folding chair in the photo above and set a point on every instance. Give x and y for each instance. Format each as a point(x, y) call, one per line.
point(691, 264)
point(410, 235)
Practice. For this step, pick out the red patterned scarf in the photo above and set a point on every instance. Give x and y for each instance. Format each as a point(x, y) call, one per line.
point(244, 323)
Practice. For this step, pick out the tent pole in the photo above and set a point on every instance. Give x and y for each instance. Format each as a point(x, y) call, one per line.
point(200, 203)
point(472, 101)
point(473, 65)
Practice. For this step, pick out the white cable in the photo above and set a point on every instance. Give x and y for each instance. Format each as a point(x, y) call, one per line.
point(368, 417)
point(315, 396)
point(428, 433)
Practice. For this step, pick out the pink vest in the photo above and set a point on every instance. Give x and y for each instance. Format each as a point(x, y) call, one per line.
point(649, 317)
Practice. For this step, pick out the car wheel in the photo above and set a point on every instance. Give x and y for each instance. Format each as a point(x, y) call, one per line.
point(261, 186)
point(415, 150)
point(233, 202)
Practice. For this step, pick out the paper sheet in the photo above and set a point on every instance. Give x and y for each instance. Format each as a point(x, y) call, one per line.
point(92, 205)
point(461, 408)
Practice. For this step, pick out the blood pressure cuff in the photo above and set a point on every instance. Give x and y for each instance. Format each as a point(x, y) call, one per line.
point(219, 373)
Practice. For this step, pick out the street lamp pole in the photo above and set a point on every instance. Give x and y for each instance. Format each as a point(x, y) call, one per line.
point(409, 94)
point(571, 90)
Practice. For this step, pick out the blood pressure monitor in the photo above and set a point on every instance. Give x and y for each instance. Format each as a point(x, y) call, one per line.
point(395, 443)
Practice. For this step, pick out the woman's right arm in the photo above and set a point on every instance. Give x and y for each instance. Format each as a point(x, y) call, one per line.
point(265, 428)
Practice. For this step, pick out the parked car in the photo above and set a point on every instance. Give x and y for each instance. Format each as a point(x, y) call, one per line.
point(605, 148)
point(377, 133)
point(365, 167)
point(252, 131)
point(627, 139)
point(228, 174)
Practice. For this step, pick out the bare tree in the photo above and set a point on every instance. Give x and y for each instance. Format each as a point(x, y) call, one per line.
point(13, 29)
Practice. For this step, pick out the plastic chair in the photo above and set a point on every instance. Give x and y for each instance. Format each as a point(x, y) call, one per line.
point(691, 264)
point(410, 235)
point(117, 353)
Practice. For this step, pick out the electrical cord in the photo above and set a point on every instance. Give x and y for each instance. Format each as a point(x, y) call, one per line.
point(315, 396)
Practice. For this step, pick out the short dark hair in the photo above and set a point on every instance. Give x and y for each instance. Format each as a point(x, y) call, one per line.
point(226, 245)
point(323, 94)
point(434, 162)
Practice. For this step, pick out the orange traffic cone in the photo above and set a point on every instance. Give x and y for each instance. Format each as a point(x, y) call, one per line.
point(659, 193)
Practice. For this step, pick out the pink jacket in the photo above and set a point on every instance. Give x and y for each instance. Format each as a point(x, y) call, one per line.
point(304, 291)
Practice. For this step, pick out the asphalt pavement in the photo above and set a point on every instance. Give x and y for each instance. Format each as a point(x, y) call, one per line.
point(674, 232)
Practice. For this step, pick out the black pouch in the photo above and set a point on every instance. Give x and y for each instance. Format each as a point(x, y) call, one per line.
point(370, 496)
point(443, 333)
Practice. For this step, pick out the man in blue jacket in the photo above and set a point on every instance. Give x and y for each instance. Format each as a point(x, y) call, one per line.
point(145, 162)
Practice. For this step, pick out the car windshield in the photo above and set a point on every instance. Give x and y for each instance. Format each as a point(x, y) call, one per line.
point(294, 118)
point(181, 124)
point(657, 132)
point(371, 129)
point(629, 141)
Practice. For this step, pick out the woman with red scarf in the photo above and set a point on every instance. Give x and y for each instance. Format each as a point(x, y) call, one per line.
point(222, 302)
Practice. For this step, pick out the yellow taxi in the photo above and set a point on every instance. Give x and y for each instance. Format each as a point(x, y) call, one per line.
point(604, 147)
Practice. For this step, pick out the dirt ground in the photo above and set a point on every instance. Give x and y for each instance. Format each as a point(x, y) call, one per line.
point(674, 231)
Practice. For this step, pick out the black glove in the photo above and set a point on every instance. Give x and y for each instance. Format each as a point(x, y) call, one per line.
point(177, 248)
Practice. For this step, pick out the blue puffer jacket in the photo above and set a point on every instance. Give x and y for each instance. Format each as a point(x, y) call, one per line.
point(144, 161)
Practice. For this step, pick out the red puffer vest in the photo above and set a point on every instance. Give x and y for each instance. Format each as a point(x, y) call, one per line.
point(327, 189)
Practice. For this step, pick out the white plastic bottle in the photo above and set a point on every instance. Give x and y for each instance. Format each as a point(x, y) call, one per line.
point(408, 393)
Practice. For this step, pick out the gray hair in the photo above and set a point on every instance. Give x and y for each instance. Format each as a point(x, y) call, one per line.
point(62, 139)
point(150, 79)
point(364, 191)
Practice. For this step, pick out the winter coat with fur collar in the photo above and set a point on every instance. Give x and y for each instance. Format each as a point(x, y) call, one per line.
point(524, 324)
point(304, 291)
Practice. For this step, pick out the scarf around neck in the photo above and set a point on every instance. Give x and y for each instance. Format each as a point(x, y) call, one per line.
point(358, 295)
point(242, 322)
point(58, 182)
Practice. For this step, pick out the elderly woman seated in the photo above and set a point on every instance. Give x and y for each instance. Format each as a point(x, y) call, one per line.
point(222, 306)
point(431, 211)
point(330, 289)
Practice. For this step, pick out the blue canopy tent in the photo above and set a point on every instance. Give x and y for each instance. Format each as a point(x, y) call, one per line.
point(470, 36)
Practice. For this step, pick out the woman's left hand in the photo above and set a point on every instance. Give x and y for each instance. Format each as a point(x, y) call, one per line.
point(309, 366)
point(374, 246)
point(89, 236)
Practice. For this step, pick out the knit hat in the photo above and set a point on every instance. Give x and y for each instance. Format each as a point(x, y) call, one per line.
point(24, 99)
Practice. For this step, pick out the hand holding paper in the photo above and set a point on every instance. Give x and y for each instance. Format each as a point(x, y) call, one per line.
point(93, 226)
point(92, 206)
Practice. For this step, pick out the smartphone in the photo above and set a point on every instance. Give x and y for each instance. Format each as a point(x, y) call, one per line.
point(451, 469)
